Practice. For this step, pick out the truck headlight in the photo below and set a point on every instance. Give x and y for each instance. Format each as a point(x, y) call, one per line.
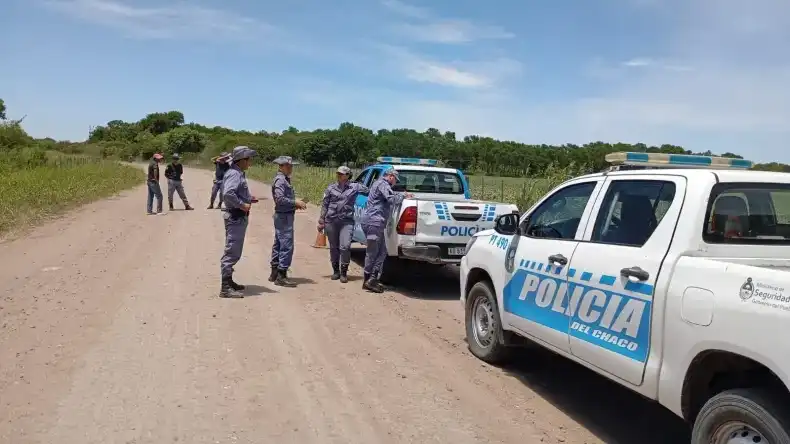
point(469, 245)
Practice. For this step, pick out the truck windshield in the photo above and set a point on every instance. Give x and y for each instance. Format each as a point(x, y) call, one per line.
point(748, 213)
point(426, 181)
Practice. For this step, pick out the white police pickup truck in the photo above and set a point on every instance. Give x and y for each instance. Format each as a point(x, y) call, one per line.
point(674, 282)
point(435, 224)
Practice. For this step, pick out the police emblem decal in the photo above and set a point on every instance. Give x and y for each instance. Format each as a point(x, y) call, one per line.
point(747, 290)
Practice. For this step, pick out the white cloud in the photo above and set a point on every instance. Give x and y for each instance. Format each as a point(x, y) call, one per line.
point(721, 84)
point(469, 75)
point(452, 32)
point(639, 62)
point(442, 30)
point(179, 20)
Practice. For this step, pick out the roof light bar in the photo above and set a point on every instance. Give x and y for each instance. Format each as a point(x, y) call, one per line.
point(664, 160)
point(407, 161)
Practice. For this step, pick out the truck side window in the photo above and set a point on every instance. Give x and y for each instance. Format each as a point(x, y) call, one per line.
point(631, 211)
point(360, 176)
point(374, 175)
point(748, 214)
point(558, 216)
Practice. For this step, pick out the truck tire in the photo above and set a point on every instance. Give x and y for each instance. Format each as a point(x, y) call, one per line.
point(484, 334)
point(739, 416)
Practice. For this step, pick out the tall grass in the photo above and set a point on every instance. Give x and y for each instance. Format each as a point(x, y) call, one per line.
point(310, 183)
point(32, 191)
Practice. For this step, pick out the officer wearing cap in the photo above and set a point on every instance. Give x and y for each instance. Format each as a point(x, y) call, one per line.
point(374, 221)
point(285, 205)
point(337, 220)
point(237, 199)
point(154, 190)
point(221, 165)
point(173, 173)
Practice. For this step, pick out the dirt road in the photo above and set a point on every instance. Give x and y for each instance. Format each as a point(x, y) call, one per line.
point(111, 332)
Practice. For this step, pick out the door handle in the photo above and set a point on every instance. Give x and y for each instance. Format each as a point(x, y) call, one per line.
point(558, 259)
point(635, 272)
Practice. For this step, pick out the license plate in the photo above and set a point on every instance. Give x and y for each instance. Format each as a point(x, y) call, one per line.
point(456, 251)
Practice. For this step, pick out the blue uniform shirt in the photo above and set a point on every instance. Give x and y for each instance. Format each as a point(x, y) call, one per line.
point(338, 203)
point(380, 202)
point(283, 194)
point(235, 192)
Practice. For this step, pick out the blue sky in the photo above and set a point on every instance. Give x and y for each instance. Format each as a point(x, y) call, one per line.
point(705, 74)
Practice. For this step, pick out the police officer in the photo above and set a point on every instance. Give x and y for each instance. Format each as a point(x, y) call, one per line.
point(337, 220)
point(154, 190)
point(237, 199)
point(374, 221)
point(285, 206)
point(221, 165)
point(173, 173)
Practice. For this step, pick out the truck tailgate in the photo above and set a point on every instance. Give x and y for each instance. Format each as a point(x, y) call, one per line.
point(449, 222)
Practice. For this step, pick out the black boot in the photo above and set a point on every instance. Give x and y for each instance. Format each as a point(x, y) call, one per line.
point(171, 207)
point(282, 279)
point(335, 272)
point(344, 273)
point(365, 279)
point(210, 206)
point(234, 285)
point(273, 275)
point(226, 291)
point(373, 285)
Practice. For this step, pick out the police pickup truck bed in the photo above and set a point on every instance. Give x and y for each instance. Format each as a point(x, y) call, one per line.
point(435, 224)
point(674, 283)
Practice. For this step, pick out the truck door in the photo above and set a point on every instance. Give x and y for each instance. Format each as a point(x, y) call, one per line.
point(359, 205)
point(617, 268)
point(534, 298)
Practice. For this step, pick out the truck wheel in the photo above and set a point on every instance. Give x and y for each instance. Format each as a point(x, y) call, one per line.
point(743, 416)
point(484, 333)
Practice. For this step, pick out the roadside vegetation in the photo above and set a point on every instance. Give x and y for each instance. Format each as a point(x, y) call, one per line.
point(504, 171)
point(37, 183)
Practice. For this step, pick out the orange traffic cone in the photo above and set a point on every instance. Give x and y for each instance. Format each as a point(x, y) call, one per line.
point(320, 240)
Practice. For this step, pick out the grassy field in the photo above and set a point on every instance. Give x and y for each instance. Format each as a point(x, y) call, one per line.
point(310, 183)
point(34, 191)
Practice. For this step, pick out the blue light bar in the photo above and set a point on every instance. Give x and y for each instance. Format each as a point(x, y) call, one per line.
point(678, 161)
point(407, 161)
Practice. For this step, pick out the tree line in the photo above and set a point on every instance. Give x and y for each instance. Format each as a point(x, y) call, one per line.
point(350, 144)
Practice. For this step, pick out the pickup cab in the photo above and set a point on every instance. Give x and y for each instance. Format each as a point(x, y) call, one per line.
point(435, 224)
point(669, 274)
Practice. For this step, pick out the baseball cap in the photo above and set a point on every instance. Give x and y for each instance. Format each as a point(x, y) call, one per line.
point(391, 171)
point(157, 156)
point(285, 160)
point(243, 152)
point(344, 169)
point(176, 156)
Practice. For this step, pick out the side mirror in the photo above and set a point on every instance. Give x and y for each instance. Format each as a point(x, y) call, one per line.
point(506, 224)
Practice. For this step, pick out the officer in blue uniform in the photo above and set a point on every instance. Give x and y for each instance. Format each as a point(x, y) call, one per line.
point(285, 206)
point(374, 219)
point(337, 220)
point(221, 165)
point(238, 201)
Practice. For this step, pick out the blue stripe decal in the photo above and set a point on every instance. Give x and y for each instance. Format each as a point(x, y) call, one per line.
point(639, 287)
point(606, 312)
point(607, 280)
point(540, 267)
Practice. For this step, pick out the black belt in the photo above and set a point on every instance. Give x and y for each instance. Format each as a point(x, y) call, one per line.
point(286, 212)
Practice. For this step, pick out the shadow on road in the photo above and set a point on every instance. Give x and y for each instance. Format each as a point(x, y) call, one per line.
point(611, 412)
point(255, 290)
point(417, 280)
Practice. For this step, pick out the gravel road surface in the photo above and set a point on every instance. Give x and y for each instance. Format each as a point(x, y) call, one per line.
point(111, 332)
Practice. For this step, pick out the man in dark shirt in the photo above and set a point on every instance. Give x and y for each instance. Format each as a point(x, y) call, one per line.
point(153, 185)
point(173, 173)
point(221, 165)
